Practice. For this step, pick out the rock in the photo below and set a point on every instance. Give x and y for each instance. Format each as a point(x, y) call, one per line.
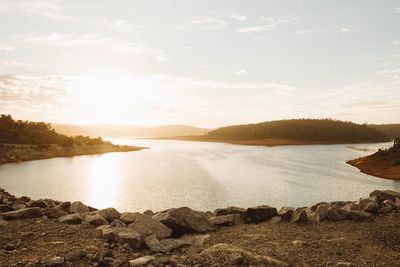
point(142, 261)
point(389, 203)
point(78, 207)
point(184, 220)
point(37, 203)
point(261, 213)
point(336, 214)
point(3, 223)
point(95, 220)
point(359, 216)
point(320, 214)
point(196, 240)
point(148, 213)
point(75, 255)
point(5, 208)
point(382, 195)
point(299, 216)
point(50, 203)
point(344, 264)
point(368, 205)
point(352, 206)
point(274, 220)
point(146, 225)
point(232, 254)
point(128, 236)
point(56, 261)
point(9, 247)
point(231, 210)
point(397, 202)
point(64, 206)
point(315, 206)
point(117, 223)
point(19, 206)
point(54, 213)
point(164, 245)
point(110, 214)
point(24, 213)
point(386, 209)
point(71, 219)
point(106, 232)
point(226, 220)
point(299, 243)
point(286, 213)
point(25, 199)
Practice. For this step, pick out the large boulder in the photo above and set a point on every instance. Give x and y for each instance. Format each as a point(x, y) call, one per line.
point(359, 216)
point(78, 207)
point(320, 214)
point(128, 236)
point(23, 213)
point(110, 214)
point(64, 206)
point(95, 220)
point(286, 213)
point(184, 220)
point(5, 208)
point(54, 213)
point(37, 203)
point(382, 195)
point(299, 216)
point(232, 256)
point(226, 220)
point(352, 206)
point(368, 205)
point(74, 218)
point(230, 210)
point(145, 225)
point(261, 213)
point(165, 245)
point(336, 214)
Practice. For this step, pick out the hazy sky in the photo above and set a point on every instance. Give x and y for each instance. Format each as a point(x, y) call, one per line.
point(198, 62)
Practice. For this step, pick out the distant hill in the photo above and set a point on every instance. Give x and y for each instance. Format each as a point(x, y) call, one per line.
point(391, 131)
point(125, 131)
point(304, 130)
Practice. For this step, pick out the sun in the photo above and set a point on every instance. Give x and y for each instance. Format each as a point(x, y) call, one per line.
point(113, 98)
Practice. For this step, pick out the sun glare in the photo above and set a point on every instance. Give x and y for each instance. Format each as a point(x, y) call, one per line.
point(113, 98)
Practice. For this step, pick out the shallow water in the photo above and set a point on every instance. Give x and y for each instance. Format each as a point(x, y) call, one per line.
point(200, 175)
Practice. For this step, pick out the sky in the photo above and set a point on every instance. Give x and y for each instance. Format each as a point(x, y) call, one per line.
point(205, 63)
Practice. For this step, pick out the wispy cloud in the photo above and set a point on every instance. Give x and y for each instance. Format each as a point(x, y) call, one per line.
point(343, 29)
point(238, 17)
point(121, 26)
point(204, 23)
point(12, 63)
point(302, 32)
point(6, 48)
point(52, 10)
point(240, 72)
point(271, 24)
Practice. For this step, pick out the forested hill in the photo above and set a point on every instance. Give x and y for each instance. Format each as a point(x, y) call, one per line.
point(38, 133)
point(309, 130)
point(391, 131)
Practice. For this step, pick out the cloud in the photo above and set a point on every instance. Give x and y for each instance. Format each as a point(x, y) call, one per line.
point(272, 23)
point(161, 56)
point(206, 23)
point(238, 17)
point(4, 64)
point(121, 26)
point(52, 10)
point(343, 29)
point(6, 48)
point(302, 32)
point(240, 72)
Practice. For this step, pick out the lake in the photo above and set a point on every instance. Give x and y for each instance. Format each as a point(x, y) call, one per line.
point(200, 175)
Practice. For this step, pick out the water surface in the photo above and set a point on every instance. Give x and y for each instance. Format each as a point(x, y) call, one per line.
point(200, 175)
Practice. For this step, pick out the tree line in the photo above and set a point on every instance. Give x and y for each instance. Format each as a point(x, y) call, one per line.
point(318, 130)
point(38, 133)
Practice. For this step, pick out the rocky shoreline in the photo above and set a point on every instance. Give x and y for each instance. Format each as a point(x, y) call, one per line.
point(46, 232)
point(17, 153)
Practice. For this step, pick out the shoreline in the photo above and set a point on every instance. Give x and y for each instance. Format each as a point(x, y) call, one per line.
point(14, 153)
point(47, 232)
point(260, 142)
point(377, 166)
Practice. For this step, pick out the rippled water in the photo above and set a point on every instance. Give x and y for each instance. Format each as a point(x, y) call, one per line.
point(199, 175)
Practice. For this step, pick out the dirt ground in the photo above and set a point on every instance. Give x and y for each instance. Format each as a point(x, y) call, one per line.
point(344, 243)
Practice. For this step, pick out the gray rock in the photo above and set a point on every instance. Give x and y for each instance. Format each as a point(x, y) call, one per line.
point(230, 210)
point(117, 223)
point(54, 213)
point(226, 220)
point(64, 206)
point(196, 240)
point(286, 213)
point(25, 199)
point(37, 203)
point(299, 216)
point(359, 216)
point(5, 208)
point(95, 220)
point(232, 253)
point(146, 225)
point(261, 213)
point(24, 213)
point(164, 245)
point(336, 214)
point(78, 207)
point(19, 206)
point(148, 213)
point(106, 232)
point(352, 206)
point(320, 214)
point(368, 205)
point(274, 220)
point(386, 209)
point(75, 255)
point(142, 261)
point(55, 261)
point(184, 220)
point(50, 203)
point(110, 214)
point(71, 219)
point(382, 195)
point(128, 236)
